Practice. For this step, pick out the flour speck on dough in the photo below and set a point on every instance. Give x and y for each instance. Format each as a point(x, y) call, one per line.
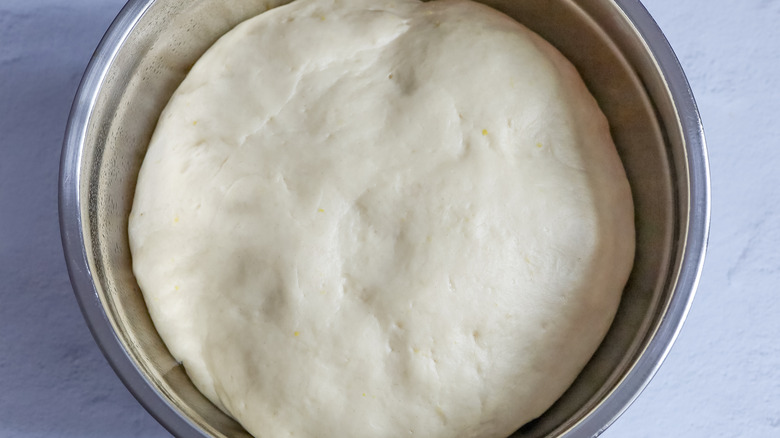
point(365, 218)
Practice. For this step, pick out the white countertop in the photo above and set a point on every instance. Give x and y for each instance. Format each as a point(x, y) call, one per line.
point(722, 378)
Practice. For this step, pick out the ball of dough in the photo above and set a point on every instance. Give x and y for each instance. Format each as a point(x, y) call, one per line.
point(365, 218)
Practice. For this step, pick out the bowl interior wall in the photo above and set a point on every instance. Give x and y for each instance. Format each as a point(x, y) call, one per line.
point(594, 35)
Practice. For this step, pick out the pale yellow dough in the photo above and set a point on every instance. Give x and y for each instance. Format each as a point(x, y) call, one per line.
point(369, 218)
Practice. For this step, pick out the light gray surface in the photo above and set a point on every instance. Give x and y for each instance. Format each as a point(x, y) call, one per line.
point(722, 379)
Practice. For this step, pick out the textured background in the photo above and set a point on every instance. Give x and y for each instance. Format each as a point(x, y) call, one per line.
point(722, 378)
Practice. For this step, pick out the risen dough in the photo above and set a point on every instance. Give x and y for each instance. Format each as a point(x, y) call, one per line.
point(381, 219)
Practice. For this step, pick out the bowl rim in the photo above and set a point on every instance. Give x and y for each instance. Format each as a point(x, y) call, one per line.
point(593, 424)
point(72, 232)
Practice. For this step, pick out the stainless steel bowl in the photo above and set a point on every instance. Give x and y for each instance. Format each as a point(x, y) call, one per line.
point(623, 57)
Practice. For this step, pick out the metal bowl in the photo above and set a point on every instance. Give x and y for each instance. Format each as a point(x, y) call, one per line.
point(625, 61)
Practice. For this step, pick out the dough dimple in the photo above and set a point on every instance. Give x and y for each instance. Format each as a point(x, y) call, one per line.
point(361, 218)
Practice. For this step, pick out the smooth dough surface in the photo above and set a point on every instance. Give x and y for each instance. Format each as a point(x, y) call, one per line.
point(365, 218)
